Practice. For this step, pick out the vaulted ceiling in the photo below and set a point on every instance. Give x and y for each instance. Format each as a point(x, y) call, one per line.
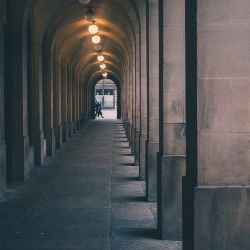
point(62, 24)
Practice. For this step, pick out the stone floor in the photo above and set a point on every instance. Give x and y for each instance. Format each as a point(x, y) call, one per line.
point(86, 197)
point(108, 114)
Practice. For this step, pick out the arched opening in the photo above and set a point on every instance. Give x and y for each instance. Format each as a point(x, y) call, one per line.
point(106, 98)
point(108, 93)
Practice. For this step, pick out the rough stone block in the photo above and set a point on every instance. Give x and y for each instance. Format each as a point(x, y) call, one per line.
point(175, 139)
point(240, 11)
point(64, 132)
point(2, 169)
point(144, 125)
point(25, 159)
point(70, 129)
point(213, 12)
point(240, 105)
point(172, 169)
point(31, 159)
point(50, 141)
point(58, 135)
point(174, 105)
point(214, 105)
point(174, 48)
point(154, 130)
point(223, 158)
point(137, 147)
point(142, 167)
point(152, 150)
point(223, 51)
point(222, 218)
point(175, 15)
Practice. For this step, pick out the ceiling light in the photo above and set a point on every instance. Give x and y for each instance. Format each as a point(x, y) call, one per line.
point(105, 75)
point(96, 39)
point(93, 29)
point(103, 66)
point(100, 58)
point(84, 1)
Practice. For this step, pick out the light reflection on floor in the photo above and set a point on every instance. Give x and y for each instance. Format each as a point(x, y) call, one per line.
point(108, 114)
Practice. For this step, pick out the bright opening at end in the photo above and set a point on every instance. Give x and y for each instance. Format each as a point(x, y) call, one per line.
point(106, 97)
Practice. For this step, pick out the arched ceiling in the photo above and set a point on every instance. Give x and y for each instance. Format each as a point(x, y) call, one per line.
point(62, 25)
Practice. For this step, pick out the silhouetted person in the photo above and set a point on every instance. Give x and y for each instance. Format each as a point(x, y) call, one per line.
point(98, 109)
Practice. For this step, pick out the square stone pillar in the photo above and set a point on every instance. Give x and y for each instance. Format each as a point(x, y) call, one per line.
point(69, 102)
point(172, 162)
point(153, 100)
point(222, 195)
point(2, 132)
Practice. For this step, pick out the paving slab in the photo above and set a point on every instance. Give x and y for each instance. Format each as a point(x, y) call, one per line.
point(87, 196)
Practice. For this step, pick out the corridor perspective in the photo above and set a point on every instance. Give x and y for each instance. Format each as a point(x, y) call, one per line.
point(79, 200)
point(166, 165)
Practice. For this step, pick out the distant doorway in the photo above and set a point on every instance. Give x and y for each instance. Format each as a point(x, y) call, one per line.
point(106, 95)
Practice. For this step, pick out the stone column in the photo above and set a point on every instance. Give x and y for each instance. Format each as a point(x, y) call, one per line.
point(133, 105)
point(48, 101)
point(74, 103)
point(37, 110)
point(222, 195)
point(127, 97)
point(85, 102)
point(2, 132)
point(69, 102)
point(64, 102)
point(153, 100)
point(17, 138)
point(144, 89)
point(130, 105)
point(172, 122)
point(77, 104)
point(57, 99)
point(84, 86)
point(81, 103)
point(124, 92)
point(137, 102)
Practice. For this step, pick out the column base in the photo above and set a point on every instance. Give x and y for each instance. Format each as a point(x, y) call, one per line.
point(31, 159)
point(65, 132)
point(74, 124)
point(50, 141)
point(151, 174)
point(58, 136)
point(137, 147)
point(222, 217)
point(133, 140)
point(39, 148)
point(70, 129)
point(171, 169)
point(128, 131)
point(78, 125)
point(142, 167)
point(3, 185)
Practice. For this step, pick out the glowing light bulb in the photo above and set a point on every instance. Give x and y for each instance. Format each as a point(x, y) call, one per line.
point(96, 39)
point(93, 29)
point(105, 74)
point(84, 1)
point(103, 66)
point(100, 58)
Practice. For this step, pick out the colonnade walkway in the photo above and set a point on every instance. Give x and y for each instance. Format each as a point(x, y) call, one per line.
point(86, 197)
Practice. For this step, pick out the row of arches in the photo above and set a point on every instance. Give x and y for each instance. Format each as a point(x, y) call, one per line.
point(181, 97)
